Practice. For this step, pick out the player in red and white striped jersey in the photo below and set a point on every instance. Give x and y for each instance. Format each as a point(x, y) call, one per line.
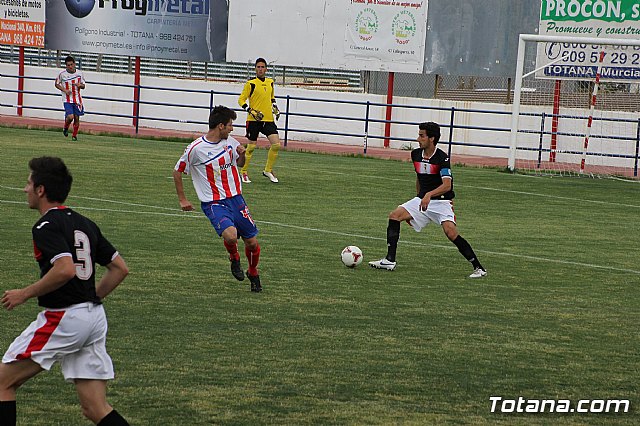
point(212, 161)
point(212, 166)
point(69, 82)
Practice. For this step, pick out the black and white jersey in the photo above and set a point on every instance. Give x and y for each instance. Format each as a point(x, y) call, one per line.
point(431, 171)
point(62, 232)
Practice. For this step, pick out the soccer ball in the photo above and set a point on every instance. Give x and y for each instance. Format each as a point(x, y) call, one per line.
point(351, 256)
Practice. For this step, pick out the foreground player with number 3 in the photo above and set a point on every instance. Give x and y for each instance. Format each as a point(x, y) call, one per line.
point(73, 327)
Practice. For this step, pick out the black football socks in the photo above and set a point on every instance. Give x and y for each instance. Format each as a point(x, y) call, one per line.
point(393, 235)
point(7, 413)
point(113, 419)
point(465, 249)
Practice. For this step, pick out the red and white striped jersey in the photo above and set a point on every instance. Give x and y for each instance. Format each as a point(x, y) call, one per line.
point(67, 79)
point(213, 168)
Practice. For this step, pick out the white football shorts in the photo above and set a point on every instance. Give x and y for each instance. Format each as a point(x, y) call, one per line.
point(438, 211)
point(75, 336)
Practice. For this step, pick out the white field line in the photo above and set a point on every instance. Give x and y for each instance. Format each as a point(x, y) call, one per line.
point(624, 179)
point(485, 188)
point(556, 197)
point(102, 199)
point(196, 215)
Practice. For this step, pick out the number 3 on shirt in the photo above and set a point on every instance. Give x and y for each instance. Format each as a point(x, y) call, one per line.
point(84, 267)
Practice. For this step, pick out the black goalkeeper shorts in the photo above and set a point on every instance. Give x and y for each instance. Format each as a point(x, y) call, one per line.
point(254, 128)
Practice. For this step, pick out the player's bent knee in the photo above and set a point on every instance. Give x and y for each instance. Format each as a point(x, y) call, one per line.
point(399, 215)
point(251, 147)
point(251, 243)
point(230, 240)
point(6, 384)
point(14, 375)
point(230, 235)
point(450, 230)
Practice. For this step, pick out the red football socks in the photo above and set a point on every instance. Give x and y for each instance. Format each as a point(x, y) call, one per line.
point(254, 258)
point(233, 250)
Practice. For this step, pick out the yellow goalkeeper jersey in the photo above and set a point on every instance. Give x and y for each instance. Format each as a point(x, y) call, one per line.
point(260, 95)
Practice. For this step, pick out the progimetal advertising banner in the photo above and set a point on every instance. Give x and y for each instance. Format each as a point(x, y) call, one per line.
point(172, 29)
point(387, 32)
point(618, 19)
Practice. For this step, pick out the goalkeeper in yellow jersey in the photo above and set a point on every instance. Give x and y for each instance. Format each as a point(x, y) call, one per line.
point(262, 112)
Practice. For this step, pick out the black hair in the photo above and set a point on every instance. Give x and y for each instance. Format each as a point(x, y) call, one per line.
point(221, 115)
point(263, 60)
point(52, 173)
point(432, 129)
point(69, 58)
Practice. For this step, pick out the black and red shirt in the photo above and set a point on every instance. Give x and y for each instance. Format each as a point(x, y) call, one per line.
point(62, 232)
point(431, 171)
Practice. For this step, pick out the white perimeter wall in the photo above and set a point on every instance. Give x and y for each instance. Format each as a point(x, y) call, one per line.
point(195, 109)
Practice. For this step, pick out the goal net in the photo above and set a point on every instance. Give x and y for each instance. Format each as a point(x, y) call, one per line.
point(576, 104)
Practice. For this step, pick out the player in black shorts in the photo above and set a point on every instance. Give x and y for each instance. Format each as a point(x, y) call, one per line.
point(262, 112)
point(72, 328)
point(433, 203)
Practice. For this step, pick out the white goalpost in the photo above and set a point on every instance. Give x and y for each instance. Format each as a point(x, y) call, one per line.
point(575, 106)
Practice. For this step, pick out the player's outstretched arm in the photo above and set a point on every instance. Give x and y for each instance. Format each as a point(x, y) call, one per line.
point(117, 271)
point(184, 203)
point(62, 271)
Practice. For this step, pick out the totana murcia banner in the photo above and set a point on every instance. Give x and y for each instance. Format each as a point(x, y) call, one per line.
point(619, 19)
point(22, 22)
point(390, 35)
point(176, 29)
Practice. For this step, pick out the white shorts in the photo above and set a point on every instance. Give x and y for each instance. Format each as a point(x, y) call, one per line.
point(438, 211)
point(75, 336)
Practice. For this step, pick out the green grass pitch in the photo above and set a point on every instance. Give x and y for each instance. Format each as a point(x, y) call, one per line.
point(557, 316)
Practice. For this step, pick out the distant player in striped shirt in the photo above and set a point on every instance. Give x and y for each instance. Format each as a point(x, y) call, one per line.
point(212, 161)
point(69, 82)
